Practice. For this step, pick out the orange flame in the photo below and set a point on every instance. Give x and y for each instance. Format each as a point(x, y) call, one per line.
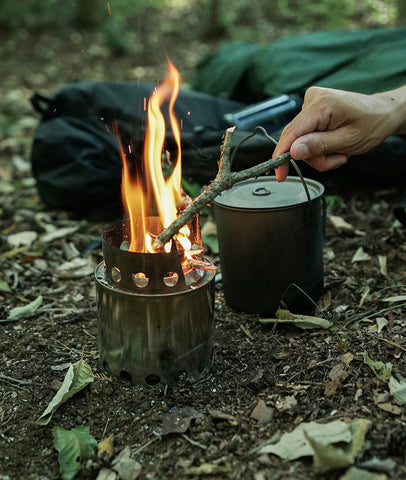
point(151, 201)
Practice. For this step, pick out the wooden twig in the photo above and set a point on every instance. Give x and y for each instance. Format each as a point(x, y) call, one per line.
point(394, 344)
point(193, 442)
point(224, 180)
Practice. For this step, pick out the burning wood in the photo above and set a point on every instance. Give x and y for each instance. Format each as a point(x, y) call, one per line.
point(153, 202)
point(224, 180)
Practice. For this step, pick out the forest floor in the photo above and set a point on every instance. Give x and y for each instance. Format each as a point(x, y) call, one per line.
point(265, 381)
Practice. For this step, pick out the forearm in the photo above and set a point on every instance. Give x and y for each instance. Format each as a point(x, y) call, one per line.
point(396, 102)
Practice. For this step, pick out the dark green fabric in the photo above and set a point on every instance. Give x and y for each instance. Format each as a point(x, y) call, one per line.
point(366, 61)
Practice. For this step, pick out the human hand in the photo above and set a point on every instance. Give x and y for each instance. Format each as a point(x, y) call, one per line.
point(333, 125)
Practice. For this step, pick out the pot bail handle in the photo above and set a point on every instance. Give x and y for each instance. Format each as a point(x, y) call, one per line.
point(271, 139)
point(309, 198)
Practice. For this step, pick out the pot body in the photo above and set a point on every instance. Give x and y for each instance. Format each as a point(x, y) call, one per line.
point(271, 254)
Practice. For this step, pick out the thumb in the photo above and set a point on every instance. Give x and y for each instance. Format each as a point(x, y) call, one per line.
point(317, 144)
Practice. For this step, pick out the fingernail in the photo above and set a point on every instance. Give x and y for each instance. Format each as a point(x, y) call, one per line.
point(301, 151)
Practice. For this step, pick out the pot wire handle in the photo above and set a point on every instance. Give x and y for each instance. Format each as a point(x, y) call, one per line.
point(266, 135)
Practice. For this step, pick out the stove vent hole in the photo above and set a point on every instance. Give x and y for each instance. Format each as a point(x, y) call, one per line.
point(152, 380)
point(171, 279)
point(140, 280)
point(116, 274)
point(126, 377)
point(106, 367)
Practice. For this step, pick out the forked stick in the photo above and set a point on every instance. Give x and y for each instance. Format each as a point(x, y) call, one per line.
point(224, 180)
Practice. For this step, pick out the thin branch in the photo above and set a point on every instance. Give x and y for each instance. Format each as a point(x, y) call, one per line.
point(224, 180)
point(193, 442)
point(394, 344)
point(143, 447)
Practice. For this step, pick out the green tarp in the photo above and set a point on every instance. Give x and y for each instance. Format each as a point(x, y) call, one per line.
point(365, 61)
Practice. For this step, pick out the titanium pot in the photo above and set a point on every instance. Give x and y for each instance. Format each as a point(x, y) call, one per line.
point(270, 238)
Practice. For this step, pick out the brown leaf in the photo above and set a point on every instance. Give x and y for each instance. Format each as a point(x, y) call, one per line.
point(125, 466)
point(174, 422)
point(338, 371)
point(106, 474)
point(331, 387)
point(389, 407)
point(347, 358)
point(105, 447)
point(262, 413)
point(219, 415)
point(287, 404)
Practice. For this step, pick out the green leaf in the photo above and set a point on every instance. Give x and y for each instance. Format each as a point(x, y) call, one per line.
point(382, 370)
point(355, 473)
point(211, 242)
point(192, 189)
point(295, 444)
point(4, 286)
point(302, 321)
point(340, 455)
point(78, 376)
point(73, 446)
point(332, 200)
point(26, 311)
point(398, 390)
point(332, 444)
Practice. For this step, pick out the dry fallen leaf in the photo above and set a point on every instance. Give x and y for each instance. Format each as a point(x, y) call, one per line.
point(106, 446)
point(354, 473)
point(262, 413)
point(338, 371)
point(287, 404)
point(381, 323)
point(382, 260)
point(76, 268)
point(106, 474)
point(125, 466)
point(339, 223)
point(22, 238)
point(394, 298)
point(346, 358)
point(219, 415)
point(331, 387)
point(208, 469)
point(389, 407)
point(59, 233)
point(174, 422)
point(360, 256)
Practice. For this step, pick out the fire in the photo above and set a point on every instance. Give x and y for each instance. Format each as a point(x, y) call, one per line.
point(151, 201)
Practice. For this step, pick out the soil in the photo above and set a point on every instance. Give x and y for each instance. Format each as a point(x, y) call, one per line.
point(290, 371)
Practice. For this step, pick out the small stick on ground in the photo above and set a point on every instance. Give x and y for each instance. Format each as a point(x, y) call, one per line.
point(143, 447)
point(224, 180)
point(193, 442)
point(394, 344)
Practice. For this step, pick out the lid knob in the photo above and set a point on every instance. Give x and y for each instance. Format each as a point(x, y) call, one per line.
point(261, 191)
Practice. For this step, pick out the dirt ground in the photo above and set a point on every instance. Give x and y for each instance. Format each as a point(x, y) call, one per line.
point(265, 380)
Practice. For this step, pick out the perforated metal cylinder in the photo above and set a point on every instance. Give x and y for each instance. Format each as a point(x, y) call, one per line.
point(150, 334)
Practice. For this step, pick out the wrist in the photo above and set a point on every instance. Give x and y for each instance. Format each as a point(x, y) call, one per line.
point(395, 100)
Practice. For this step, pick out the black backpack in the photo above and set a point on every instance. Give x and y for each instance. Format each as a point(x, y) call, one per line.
point(75, 156)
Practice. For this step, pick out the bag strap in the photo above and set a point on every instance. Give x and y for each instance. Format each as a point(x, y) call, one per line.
point(40, 103)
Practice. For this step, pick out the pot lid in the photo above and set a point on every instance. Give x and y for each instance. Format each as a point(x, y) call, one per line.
point(267, 193)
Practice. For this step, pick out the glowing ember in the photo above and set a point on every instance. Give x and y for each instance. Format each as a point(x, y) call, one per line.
point(151, 200)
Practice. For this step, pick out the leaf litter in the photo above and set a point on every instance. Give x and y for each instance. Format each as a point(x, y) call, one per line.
point(273, 364)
